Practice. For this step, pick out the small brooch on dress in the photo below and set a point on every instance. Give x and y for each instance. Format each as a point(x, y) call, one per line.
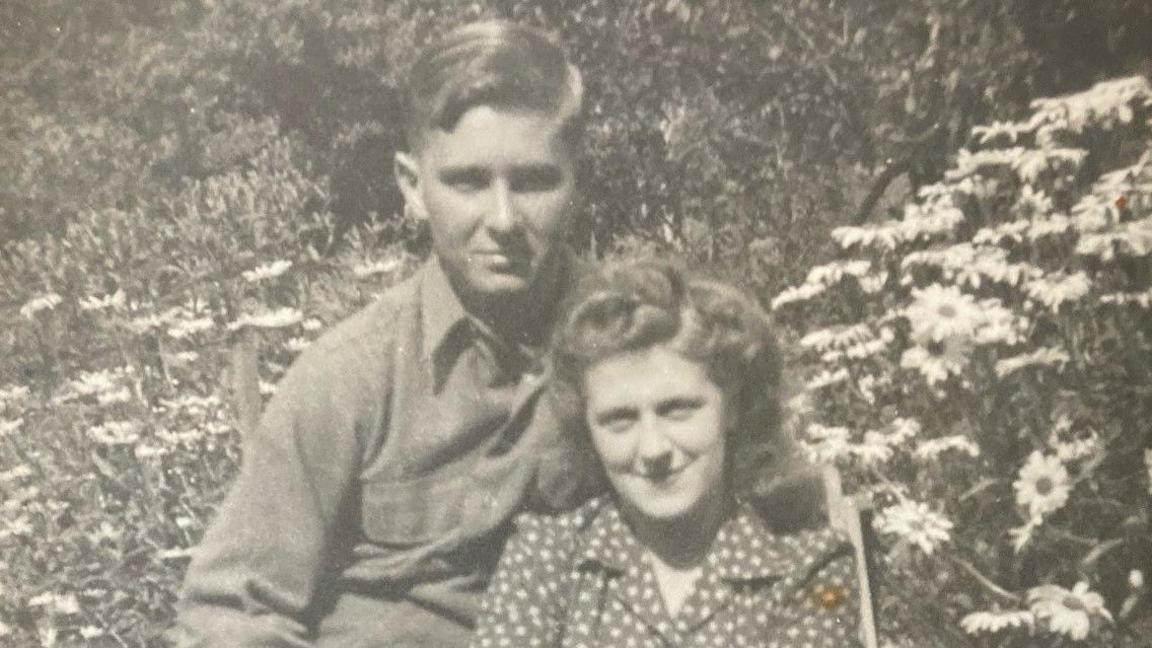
point(829, 597)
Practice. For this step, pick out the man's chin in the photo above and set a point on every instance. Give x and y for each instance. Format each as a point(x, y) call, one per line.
point(499, 284)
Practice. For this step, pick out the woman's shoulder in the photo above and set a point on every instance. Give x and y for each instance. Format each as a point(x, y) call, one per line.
point(558, 534)
point(748, 547)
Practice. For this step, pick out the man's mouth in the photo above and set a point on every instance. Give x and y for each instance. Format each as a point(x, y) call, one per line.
point(502, 259)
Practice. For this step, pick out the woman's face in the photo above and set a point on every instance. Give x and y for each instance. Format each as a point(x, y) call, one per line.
point(658, 424)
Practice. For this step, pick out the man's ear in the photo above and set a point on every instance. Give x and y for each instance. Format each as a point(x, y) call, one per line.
point(407, 171)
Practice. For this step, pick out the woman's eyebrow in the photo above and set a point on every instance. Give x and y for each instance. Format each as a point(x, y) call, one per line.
point(614, 412)
point(681, 401)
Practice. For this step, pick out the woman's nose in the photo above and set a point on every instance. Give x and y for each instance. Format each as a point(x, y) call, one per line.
point(653, 449)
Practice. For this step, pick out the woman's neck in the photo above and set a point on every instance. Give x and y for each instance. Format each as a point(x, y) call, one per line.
point(682, 543)
point(676, 549)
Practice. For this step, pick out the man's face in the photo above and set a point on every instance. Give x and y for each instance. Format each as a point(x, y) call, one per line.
point(497, 191)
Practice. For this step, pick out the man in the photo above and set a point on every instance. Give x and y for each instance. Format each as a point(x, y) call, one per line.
point(374, 498)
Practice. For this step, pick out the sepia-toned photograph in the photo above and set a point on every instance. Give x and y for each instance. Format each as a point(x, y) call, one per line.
point(575, 323)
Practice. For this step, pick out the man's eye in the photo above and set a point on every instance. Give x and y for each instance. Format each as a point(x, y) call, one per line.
point(536, 179)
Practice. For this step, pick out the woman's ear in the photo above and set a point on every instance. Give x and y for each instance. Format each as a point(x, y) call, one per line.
point(407, 171)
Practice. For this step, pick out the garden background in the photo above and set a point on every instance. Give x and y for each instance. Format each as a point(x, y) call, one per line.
point(960, 266)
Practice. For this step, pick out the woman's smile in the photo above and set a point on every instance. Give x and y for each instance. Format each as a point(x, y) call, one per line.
point(658, 424)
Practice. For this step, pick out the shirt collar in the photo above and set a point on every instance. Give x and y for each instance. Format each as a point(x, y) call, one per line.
point(440, 308)
point(443, 316)
point(744, 549)
point(607, 541)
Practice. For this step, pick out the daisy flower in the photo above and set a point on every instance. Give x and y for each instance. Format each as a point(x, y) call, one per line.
point(793, 294)
point(826, 379)
point(279, 318)
point(933, 448)
point(15, 474)
point(369, 269)
point(875, 449)
point(1033, 201)
point(1053, 290)
point(1067, 612)
point(902, 429)
point(1011, 130)
point(885, 236)
point(916, 523)
point(14, 395)
point(183, 328)
point(44, 302)
point(115, 300)
point(830, 274)
point(1044, 356)
point(8, 426)
point(996, 620)
point(297, 344)
point(827, 444)
point(939, 313)
point(937, 361)
point(266, 271)
point(1043, 486)
point(115, 433)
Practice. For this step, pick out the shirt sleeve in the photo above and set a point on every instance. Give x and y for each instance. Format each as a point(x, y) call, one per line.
point(256, 573)
point(524, 603)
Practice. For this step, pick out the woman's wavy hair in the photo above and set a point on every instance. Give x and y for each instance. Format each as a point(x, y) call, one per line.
point(635, 305)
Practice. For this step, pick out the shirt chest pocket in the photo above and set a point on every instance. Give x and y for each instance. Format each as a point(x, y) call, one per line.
point(414, 512)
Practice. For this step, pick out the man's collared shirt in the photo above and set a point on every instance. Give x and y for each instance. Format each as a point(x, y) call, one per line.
point(580, 579)
point(374, 498)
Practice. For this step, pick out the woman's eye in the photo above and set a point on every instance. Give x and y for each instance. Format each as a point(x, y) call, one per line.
point(615, 422)
point(679, 410)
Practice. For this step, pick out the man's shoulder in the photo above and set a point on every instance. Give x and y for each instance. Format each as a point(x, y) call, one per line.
point(363, 346)
point(377, 324)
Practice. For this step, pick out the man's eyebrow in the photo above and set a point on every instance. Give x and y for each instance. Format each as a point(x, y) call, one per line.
point(463, 171)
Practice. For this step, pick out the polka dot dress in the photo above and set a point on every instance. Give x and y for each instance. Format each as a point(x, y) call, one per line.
point(580, 580)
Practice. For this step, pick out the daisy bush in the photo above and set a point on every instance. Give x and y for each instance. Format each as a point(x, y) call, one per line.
point(983, 367)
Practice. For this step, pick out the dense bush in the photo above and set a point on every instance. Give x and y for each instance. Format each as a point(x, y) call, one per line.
point(981, 366)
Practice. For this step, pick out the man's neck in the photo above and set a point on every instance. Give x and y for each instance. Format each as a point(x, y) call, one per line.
point(524, 318)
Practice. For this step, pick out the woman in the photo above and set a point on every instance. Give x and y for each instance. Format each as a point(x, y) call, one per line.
point(671, 384)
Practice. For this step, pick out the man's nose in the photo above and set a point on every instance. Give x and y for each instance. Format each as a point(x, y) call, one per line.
point(502, 212)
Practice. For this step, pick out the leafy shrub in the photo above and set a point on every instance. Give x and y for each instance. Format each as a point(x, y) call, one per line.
point(982, 367)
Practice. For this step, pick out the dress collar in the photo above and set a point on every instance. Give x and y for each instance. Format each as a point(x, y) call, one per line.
point(744, 548)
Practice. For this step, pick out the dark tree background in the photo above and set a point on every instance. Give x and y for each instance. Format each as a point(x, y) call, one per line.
point(737, 131)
